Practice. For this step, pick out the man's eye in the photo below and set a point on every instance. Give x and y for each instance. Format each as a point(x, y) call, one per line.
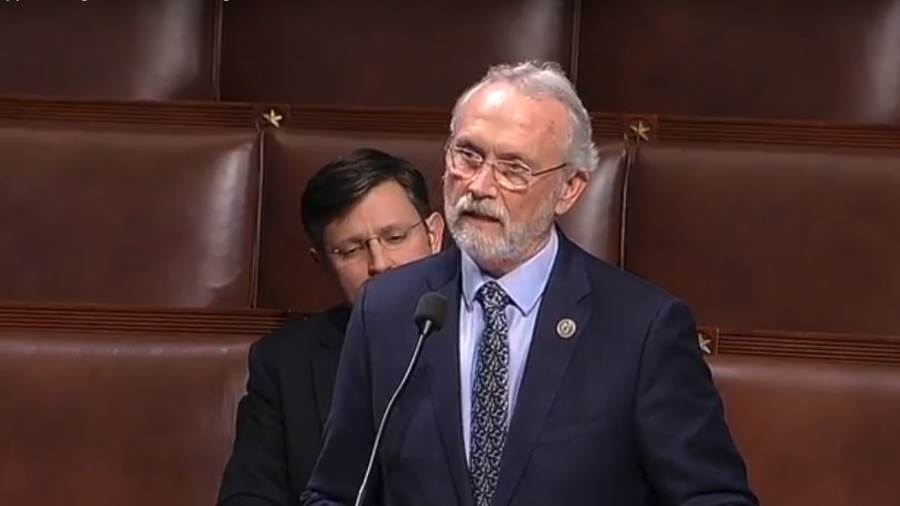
point(350, 250)
point(394, 239)
point(515, 168)
point(470, 156)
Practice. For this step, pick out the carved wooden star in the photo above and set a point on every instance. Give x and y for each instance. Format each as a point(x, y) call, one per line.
point(273, 118)
point(705, 343)
point(640, 130)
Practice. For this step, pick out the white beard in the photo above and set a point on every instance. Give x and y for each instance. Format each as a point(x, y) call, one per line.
point(515, 239)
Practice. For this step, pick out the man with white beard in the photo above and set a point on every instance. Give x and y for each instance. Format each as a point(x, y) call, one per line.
point(557, 378)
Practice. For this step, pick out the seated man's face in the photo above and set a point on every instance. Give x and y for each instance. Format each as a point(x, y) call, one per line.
point(382, 232)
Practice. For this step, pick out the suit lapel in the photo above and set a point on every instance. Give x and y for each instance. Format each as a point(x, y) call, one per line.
point(548, 360)
point(443, 352)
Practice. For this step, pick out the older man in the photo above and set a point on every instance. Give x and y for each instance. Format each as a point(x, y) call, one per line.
point(557, 379)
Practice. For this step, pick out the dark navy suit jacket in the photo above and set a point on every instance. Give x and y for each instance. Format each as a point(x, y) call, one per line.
point(624, 413)
point(278, 432)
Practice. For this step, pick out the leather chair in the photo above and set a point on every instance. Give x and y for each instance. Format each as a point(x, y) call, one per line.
point(94, 418)
point(129, 215)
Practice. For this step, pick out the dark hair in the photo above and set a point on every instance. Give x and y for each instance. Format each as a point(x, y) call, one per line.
point(342, 183)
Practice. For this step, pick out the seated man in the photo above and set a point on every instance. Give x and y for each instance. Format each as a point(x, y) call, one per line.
point(364, 214)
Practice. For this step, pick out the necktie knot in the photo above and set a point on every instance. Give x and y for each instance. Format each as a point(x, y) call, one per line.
point(492, 296)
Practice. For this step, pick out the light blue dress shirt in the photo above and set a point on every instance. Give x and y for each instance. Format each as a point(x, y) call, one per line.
point(525, 286)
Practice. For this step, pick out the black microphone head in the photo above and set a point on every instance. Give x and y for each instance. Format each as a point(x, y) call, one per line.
point(431, 310)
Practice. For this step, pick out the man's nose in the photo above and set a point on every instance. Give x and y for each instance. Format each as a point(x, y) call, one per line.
point(379, 261)
point(484, 184)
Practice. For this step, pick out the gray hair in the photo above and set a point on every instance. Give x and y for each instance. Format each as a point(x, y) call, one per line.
point(544, 79)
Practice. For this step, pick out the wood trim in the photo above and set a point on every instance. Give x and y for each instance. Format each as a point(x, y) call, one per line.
point(435, 121)
point(169, 113)
point(607, 126)
point(110, 318)
point(249, 115)
point(779, 132)
point(575, 42)
point(256, 259)
point(369, 119)
point(832, 347)
point(405, 120)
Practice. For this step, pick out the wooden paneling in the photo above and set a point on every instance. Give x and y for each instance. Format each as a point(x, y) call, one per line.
point(64, 317)
point(872, 349)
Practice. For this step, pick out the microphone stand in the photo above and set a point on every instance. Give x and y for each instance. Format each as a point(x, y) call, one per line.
point(427, 328)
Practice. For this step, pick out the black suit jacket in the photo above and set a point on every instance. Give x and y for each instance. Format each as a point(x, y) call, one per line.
point(281, 417)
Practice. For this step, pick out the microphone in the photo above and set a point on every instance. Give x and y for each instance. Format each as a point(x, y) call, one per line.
point(431, 313)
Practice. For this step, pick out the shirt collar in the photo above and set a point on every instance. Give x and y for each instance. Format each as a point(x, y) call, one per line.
point(524, 285)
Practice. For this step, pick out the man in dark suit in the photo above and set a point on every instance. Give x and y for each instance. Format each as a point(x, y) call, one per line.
point(558, 379)
point(364, 213)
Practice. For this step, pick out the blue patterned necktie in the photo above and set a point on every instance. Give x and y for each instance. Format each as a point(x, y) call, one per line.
point(490, 399)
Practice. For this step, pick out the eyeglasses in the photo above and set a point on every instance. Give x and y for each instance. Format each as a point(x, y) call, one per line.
point(514, 176)
point(390, 240)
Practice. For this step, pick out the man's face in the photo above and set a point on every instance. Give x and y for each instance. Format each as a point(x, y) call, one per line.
point(383, 231)
point(497, 225)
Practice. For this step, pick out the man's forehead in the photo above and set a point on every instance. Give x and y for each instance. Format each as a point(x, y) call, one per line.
point(525, 127)
point(503, 103)
point(386, 208)
point(495, 96)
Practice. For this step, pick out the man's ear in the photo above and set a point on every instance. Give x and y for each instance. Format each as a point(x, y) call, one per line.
point(572, 190)
point(435, 224)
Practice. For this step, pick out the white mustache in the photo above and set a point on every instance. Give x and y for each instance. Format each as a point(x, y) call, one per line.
point(487, 208)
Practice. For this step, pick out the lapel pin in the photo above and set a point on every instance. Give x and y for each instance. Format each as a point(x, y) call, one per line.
point(566, 328)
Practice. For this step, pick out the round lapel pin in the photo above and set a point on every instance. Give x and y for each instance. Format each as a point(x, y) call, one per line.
point(566, 328)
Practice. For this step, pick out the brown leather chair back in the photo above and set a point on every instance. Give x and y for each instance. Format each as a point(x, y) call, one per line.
point(814, 432)
point(595, 222)
point(129, 215)
point(108, 418)
point(767, 237)
point(165, 49)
